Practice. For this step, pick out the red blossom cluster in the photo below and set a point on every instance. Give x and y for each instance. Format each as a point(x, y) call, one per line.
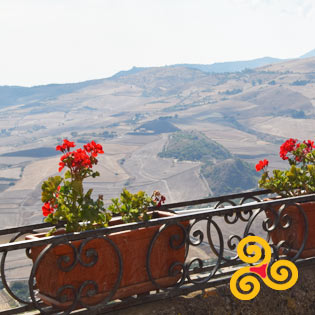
point(291, 150)
point(299, 178)
point(94, 148)
point(286, 147)
point(65, 146)
point(261, 165)
point(158, 197)
point(81, 158)
point(48, 209)
point(78, 162)
point(50, 206)
point(309, 146)
point(294, 148)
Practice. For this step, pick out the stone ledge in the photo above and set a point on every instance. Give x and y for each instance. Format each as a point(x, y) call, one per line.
point(216, 301)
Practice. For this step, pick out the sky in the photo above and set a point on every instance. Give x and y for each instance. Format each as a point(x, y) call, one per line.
point(61, 41)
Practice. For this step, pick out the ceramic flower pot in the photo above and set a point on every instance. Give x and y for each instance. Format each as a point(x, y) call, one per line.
point(294, 235)
point(67, 273)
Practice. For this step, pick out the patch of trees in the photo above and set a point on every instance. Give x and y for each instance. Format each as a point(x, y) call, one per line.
point(300, 82)
point(180, 107)
point(134, 119)
point(86, 137)
point(6, 132)
point(108, 135)
point(193, 146)
point(298, 114)
point(156, 126)
point(230, 176)
point(224, 172)
point(232, 92)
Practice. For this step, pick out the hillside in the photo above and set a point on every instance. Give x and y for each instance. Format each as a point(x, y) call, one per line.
point(12, 95)
point(193, 146)
point(309, 54)
point(224, 173)
point(230, 176)
point(248, 113)
point(217, 67)
point(156, 126)
point(295, 67)
point(233, 66)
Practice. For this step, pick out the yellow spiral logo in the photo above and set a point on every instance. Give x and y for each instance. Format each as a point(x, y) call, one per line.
point(245, 284)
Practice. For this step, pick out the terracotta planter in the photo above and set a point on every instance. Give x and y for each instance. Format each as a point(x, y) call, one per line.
point(133, 246)
point(294, 235)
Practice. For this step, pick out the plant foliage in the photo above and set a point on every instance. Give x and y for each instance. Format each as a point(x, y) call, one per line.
point(134, 207)
point(299, 179)
point(64, 197)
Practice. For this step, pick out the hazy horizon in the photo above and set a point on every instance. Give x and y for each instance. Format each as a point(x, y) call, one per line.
point(57, 41)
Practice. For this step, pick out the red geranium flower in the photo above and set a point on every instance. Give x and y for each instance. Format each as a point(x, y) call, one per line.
point(286, 147)
point(94, 148)
point(309, 146)
point(65, 146)
point(261, 164)
point(61, 166)
point(47, 209)
point(69, 190)
point(81, 159)
point(162, 200)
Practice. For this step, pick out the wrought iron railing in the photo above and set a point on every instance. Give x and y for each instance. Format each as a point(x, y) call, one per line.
point(198, 250)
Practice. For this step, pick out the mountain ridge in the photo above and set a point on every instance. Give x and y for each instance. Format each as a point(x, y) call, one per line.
point(233, 66)
point(217, 67)
point(249, 113)
point(309, 54)
point(222, 67)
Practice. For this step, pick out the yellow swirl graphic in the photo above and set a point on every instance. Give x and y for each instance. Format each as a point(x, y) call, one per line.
point(245, 285)
point(254, 250)
point(279, 272)
point(248, 284)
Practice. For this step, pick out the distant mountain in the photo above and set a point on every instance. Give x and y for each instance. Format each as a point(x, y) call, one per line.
point(133, 70)
point(156, 126)
point(12, 95)
point(42, 152)
point(242, 114)
point(218, 67)
point(222, 67)
point(309, 54)
point(298, 66)
point(233, 66)
point(155, 81)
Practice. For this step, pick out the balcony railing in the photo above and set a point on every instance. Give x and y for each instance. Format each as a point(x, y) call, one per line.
point(202, 236)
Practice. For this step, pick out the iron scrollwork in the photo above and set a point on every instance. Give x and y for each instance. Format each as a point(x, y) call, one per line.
point(209, 232)
point(65, 264)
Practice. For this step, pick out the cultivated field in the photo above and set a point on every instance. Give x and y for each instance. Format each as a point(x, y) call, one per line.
point(248, 112)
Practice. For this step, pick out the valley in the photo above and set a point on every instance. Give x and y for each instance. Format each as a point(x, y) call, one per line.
point(250, 113)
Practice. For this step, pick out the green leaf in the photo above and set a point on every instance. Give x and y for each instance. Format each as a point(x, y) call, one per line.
point(95, 174)
point(132, 207)
point(88, 194)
